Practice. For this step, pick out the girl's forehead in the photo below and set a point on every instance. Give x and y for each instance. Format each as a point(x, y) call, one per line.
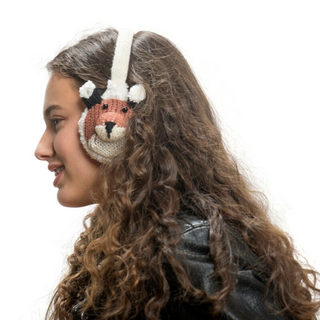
point(61, 95)
point(60, 86)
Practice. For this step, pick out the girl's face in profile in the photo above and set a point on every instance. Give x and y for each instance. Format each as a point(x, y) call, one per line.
point(75, 174)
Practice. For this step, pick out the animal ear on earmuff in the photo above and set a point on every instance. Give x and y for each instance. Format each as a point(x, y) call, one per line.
point(137, 93)
point(89, 94)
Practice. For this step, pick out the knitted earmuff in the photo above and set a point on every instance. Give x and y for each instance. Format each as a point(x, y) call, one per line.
point(102, 124)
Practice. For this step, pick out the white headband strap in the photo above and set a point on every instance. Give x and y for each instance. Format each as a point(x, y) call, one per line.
point(119, 70)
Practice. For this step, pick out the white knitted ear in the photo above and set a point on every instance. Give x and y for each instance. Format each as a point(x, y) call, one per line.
point(137, 93)
point(87, 89)
point(116, 90)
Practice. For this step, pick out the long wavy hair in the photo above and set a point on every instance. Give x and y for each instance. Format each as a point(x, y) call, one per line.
point(174, 160)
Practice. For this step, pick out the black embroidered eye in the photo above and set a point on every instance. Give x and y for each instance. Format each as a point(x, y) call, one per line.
point(125, 109)
point(105, 106)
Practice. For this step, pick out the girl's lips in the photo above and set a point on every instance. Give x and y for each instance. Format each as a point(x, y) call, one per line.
point(56, 180)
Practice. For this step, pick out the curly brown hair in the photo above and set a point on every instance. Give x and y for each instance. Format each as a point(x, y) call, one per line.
point(174, 160)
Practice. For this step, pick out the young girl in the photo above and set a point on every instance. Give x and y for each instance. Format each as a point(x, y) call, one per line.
point(177, 232)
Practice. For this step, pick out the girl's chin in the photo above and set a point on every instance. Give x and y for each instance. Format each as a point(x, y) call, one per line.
point(68, 200)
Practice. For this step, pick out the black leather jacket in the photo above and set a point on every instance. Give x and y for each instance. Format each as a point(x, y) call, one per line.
point(244, 303)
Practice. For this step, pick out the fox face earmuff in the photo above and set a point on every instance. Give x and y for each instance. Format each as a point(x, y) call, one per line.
point(102, 125)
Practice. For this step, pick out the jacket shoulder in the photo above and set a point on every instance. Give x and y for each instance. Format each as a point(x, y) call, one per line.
point(195, 244)
point(247, 301)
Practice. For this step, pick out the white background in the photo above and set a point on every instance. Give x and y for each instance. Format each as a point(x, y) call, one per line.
point(258, 61)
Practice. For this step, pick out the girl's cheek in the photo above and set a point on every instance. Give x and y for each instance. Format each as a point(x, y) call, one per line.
point(60, 143)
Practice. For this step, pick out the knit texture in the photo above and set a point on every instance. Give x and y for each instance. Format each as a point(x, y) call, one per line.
point(94, 124)
point(102, 124)
point(120, 65)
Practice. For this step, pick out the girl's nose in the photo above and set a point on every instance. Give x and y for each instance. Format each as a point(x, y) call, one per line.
point(44, 149)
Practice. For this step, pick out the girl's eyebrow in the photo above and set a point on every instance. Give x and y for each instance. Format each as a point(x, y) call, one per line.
point(51, 108)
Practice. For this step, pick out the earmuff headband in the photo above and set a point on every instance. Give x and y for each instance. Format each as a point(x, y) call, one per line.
point(120, 65)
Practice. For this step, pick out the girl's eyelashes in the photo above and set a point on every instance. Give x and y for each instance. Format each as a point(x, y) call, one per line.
point(55, 122)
